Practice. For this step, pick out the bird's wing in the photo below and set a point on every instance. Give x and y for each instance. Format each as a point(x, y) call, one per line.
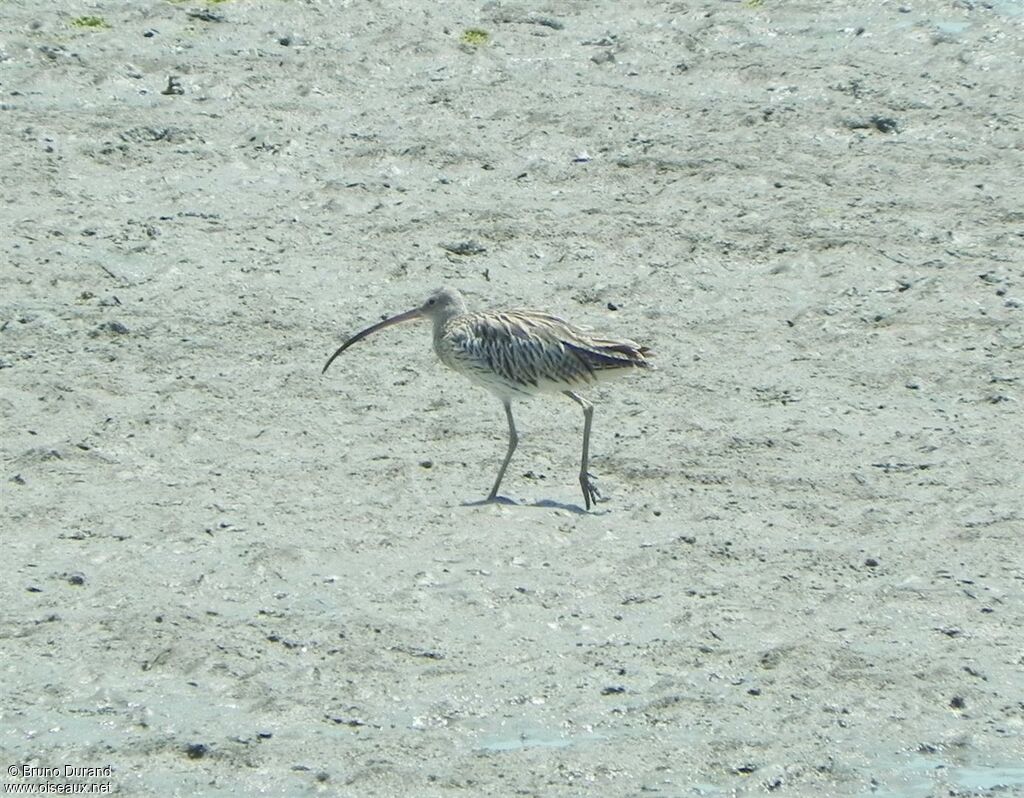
point(598, 354)
point(520, 348)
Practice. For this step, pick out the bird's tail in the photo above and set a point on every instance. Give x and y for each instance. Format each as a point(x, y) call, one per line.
point(602, 354)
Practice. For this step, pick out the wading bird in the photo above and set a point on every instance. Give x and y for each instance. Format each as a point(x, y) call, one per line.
point(516, 354)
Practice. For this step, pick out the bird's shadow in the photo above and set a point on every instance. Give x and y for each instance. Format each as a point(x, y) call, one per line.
point(546, 503)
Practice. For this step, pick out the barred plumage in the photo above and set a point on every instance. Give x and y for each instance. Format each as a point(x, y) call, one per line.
point(519, 353)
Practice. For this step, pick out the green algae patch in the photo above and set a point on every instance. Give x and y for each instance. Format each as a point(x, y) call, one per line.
point(475, 37)
point(90, 23)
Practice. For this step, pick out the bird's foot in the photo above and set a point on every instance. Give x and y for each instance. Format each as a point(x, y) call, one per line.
point(493, 498)
point(591, 495)
point(502, 500)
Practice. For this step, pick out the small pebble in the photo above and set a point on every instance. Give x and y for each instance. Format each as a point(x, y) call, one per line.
point(196, 750)
point(173, 86)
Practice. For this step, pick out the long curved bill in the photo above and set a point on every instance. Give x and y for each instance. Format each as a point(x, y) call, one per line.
point(409, 315)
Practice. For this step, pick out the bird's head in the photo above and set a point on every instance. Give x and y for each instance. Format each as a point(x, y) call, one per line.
point(443, 304)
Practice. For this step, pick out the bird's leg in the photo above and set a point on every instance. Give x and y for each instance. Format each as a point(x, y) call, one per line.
point(590, 494)
point(513, 441)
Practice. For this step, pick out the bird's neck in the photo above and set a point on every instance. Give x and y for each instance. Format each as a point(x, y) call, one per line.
point(443, 319)
point(441, 324)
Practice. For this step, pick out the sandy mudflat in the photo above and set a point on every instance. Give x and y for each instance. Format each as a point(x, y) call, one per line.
point(226, 574)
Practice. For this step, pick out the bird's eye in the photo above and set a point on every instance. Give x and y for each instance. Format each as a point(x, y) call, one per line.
point(431, 301)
